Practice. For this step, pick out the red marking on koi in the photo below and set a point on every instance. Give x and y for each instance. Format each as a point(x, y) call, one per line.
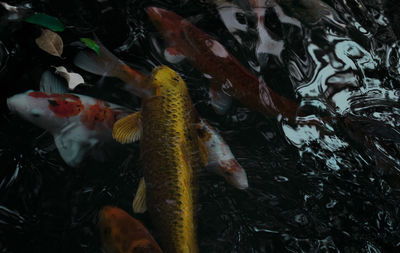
point(230, 165)
point(63, 105)
point(173, 51)
point(39, 94)
point(99, 112)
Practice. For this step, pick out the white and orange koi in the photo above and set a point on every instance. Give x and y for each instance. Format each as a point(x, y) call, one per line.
point(220, 158)
point(77, 122)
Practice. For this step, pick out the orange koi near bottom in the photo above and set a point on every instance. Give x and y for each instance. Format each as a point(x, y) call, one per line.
point(121, 233)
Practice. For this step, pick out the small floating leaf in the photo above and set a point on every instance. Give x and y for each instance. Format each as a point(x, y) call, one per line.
point(91, 44)
point(50, 42)
point(73, 79)
point(46, 21)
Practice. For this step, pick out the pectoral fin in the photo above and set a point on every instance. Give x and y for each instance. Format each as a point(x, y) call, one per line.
point(128, 129)
point(139, 202)
point(73, 143)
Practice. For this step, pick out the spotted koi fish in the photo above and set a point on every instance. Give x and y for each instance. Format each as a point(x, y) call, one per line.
point(77, 122)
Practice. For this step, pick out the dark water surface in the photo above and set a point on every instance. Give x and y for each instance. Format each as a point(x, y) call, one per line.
point(314, 187)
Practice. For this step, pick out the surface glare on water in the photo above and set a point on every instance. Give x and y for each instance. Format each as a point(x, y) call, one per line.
point(329, 183)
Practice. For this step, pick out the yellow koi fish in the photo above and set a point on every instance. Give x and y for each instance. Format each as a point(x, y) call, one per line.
point(220, 157)
point(171, 154)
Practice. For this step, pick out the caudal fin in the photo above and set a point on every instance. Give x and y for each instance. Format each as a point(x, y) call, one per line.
point(107, 64)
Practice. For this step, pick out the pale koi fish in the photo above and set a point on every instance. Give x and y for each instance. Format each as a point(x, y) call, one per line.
point(77, 122)
point(220, 157)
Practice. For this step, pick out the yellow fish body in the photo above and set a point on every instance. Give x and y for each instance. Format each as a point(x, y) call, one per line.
point(170, 153)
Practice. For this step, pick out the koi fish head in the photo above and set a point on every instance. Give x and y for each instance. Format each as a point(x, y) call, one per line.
point(45, 110)
point(167, 81)
point(185, 37)
point(165, 20)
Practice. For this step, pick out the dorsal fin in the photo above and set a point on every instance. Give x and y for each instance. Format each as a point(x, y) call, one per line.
point(51, 83)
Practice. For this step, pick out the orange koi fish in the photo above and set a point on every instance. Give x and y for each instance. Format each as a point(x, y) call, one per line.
point(121, 233)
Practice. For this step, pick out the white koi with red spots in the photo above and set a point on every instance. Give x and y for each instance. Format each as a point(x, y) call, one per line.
point(221, 159)
point(77, 122)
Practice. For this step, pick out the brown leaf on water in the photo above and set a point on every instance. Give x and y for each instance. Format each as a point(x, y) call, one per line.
point(50, 42)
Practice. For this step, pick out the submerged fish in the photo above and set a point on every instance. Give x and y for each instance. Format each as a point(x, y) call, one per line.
point(229, 76)
point(220, 157)
point(121, 233)
point(78, 123)
point(171, 156)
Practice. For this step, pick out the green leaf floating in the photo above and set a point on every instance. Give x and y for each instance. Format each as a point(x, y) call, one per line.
point(47, 21)
point(91, 44)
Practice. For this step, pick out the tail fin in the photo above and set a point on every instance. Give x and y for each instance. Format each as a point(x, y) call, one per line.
point(107, 64)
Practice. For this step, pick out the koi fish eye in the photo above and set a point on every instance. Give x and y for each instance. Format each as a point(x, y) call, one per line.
point(243, 19)
point(36, 113)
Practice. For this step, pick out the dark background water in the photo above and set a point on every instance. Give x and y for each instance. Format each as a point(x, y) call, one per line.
point(294, 203)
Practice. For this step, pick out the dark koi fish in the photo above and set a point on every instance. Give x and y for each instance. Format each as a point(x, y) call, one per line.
point(229, 76)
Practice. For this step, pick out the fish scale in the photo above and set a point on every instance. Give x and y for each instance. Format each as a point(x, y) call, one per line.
point(170, 155)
